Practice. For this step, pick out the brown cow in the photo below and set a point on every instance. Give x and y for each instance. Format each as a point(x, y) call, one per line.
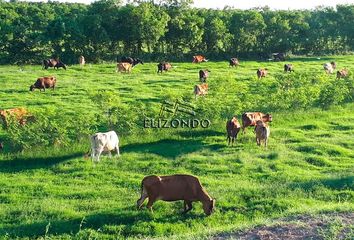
point(20, 114)
point(262, 72)
point(163, 66)
point(199, 59)
point(82, 61)
point(200, 89)
point(43, 83)
point(233, 128)
point(234, 62)
point(262, 132)
point(342, 73)
point(173, 188)
point(203, 75)
point(250, 119)
point(124, 67)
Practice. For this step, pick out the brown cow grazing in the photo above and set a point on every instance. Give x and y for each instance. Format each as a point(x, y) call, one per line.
point(163, 66)
point(288, 68)
point(262, 73)
point(20, 114)
point(200, 89)
point(81, 61)
point(262, 132)
point(173, 188)
point(250, 119)
point(342, 73)
point(43, 83)
point(124, 67)
point(203, 75)
point(199, 59)
point(233, 128)
point(234, 62)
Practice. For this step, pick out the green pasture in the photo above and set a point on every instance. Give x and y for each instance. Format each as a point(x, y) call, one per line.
point(49, 190)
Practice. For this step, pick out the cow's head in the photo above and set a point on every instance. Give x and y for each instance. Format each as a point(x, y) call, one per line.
point(269, 117)
point(138, 60)
point(334, 65)
point(32, 87)
point(209, 206)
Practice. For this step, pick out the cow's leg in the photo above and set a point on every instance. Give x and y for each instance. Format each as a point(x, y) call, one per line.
point(187, 206)
point(266, 142)
point(117, 149)
point(99, 151)
point(228, 139)
point(151, 201)
point(142, 198)
point(110, 154)
point(233, 140)
point(258, 141)
point(92, 154)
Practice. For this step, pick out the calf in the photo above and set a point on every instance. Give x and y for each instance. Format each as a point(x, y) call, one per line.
point(262, 132)
point(163, 66)
point(203, 75)
point(288, 68)
point(329, 67)
point(342, 73)
point(234, 62)
point(19, 114)
point(199, 59)
point(173, 188)
point(250, 119)
point(81, 61)
point(43, 83)
point(103, 142)
point(200, 89)
point(124, 67)
point(233, 128)
point(262, 73)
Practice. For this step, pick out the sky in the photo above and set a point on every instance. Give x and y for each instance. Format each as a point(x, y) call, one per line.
point(246, 4)
point(273, 4)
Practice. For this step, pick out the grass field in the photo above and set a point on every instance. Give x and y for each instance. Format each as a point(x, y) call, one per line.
point(50, 191)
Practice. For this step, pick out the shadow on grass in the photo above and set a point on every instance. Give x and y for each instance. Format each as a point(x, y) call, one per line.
point(23, 164)
point(171, 148)
point(128, 218)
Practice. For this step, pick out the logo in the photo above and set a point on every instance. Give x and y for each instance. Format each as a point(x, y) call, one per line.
point(167, 117)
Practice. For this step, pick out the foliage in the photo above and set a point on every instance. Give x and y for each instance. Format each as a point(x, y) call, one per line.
point(32, 31)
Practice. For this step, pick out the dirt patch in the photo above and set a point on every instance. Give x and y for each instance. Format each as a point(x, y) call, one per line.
point(324, 226)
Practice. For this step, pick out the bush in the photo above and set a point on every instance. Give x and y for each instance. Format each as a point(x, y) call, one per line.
point(51, 128)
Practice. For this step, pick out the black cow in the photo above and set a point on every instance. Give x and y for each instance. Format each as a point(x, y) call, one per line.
point(56, 63)
point(279, 56)
point(163, 66)
point(203, 75)
point(132, 61)
point(288, 68)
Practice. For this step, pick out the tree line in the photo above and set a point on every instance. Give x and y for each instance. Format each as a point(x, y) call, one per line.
point(166, 29)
